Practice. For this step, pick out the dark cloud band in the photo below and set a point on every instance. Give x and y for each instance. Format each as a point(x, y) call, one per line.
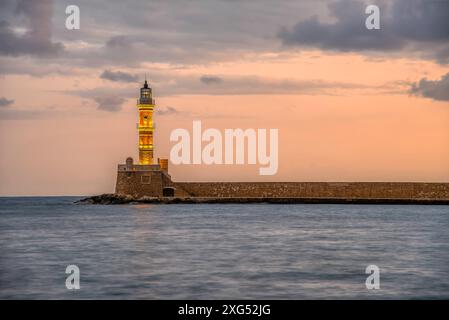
point(416, 25)
point(5, 102)
point(119, 76)
point(436, 90)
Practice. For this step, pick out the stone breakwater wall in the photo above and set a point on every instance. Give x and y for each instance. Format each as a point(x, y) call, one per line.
point(350, 190)
point(139, 184)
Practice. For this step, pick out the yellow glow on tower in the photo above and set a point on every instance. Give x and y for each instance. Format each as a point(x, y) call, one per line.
point(145, 104)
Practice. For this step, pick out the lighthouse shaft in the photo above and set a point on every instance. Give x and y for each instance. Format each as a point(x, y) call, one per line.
point(145, 104)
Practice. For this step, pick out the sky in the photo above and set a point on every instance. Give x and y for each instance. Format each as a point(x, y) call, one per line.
point(350, 104)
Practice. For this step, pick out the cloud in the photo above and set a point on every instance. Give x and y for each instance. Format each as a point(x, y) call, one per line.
point(35, 112)
point(171, 84)
point(119, 76)
point(249, 84)
point(122, 42)
point(433, 89)
point(206, 79)
point(177, 36)
point(213, 31)
point(37, 67)
point(419, 26)
point(421, 20)
point(346, 34)
point(167, 111)
point(109, 103)
point(37, 38)
point(31, 114)
point(5, 102)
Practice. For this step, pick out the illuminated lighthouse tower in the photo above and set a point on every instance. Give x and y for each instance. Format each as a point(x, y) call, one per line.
point(146, 129)
point(146, 177)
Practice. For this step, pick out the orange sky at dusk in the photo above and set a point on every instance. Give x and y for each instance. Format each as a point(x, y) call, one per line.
point(342, 116)
point(371, 133)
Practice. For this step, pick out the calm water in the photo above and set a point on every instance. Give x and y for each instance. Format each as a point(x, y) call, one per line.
point(221, 251)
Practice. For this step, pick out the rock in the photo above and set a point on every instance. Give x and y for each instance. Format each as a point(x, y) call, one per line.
point(111, 198)
point(107, 198)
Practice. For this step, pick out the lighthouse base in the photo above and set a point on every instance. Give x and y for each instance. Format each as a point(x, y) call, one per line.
point(144, 180)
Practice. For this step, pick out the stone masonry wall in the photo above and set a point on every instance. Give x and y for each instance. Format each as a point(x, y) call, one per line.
point(139, 184)
point(369, 190)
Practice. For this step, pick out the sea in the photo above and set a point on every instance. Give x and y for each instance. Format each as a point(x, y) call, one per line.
point(222, 251)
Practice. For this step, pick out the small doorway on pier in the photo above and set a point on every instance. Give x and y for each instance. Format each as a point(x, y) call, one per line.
point(168, 192)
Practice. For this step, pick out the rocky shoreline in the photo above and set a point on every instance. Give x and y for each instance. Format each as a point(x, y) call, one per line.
point(111, 198)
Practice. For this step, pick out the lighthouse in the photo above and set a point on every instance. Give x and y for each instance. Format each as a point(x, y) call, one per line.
point(145, 104)
point(148, 177)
